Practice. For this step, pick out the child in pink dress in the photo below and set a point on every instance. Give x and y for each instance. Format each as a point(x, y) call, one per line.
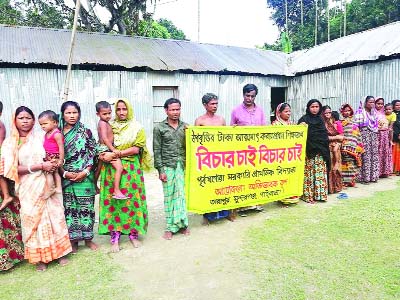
point(54, 146)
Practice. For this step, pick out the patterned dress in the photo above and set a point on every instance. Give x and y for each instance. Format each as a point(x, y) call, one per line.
point(79, 197)
point(125, 216)
point(130, 216)
point(11, 246)
point(352, 149)
point(368, 124)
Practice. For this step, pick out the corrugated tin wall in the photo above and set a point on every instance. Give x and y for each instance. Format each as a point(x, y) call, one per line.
point(346, 85)
point(40, 89)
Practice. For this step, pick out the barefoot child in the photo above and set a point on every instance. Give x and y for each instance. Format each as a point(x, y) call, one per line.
point(3, 181)
point(54, 146)
point(106, 144)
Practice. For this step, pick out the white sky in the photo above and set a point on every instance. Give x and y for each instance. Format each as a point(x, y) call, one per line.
point(227, 22)
point(244, 23)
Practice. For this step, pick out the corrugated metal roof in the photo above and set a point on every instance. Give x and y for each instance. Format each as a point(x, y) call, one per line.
point(368, 45)
point(49, 46)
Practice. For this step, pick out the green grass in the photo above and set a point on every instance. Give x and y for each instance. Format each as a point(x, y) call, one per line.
point(89, 275)
point(346, 251)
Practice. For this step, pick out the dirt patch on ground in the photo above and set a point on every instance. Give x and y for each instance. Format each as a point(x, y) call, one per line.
point(203, 265)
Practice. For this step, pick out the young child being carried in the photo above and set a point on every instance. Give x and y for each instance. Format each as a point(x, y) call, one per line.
point(54, 146)
point(3, 181)
point(106, 144)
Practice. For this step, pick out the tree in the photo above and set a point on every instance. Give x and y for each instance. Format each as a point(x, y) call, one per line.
point(8, 14)
point(175, 33)
point(126, 17)
point(308, 19)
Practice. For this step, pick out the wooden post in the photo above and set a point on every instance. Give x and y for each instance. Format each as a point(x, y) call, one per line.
point(71, 52)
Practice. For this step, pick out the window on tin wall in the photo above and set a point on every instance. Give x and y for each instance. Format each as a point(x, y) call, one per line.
point(160, 94)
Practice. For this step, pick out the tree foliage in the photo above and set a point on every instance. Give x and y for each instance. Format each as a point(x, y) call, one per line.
point(360, 15)
point(125, 16)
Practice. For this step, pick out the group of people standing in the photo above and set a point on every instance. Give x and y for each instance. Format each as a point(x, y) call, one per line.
point(42, 222)
point(362, 146)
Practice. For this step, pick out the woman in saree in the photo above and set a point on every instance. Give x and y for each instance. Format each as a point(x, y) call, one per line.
point(44, 230)
point(396, 138)
point(352, 147)
point(367, 121)
point(282, 118)
point(78, 183)
point(130, 216)
point(335, 139)
point(11, 246)
point(317, 163)
point(384, 140)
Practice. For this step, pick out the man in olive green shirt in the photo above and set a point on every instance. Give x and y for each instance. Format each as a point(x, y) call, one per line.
point(169, 159)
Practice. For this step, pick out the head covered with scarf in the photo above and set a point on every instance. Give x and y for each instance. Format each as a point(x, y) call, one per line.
point(279, 109)
point(317, 136)
point(11, 145)
point(129, 132)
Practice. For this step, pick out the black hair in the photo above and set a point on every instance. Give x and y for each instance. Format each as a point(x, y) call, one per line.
point(1, 107)
point(49, 114)
point(102, 104)
point(25, 109)
point(388, 104)
point(335, 115)
point(70, 103)
point(369, 98)
point(283, 106)
point(309, 103)
point(208, 97)
point(250, 87)
point(170, 101)
point(325, 107)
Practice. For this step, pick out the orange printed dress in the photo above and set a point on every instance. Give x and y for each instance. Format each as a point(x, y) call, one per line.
point(44, 230)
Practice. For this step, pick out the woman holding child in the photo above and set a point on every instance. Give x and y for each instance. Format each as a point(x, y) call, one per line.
point(128, 216)
point(384, 139)
point(44, 231)
point(78, 179)
point(335, 139)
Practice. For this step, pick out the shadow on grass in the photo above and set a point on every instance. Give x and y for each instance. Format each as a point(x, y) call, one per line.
point(347, 251)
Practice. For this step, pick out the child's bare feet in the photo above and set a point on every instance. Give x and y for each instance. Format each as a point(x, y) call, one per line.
point(5, 202)
point(119, 196)
point(92, 246)
point(231, 218)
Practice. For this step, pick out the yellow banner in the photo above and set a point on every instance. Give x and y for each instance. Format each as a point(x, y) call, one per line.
point(231, 167)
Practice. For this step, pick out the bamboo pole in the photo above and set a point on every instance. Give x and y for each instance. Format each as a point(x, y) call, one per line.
point(71, 52)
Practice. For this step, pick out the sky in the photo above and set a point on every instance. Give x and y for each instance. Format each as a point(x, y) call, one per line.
point(243, 23)
point(226, 22)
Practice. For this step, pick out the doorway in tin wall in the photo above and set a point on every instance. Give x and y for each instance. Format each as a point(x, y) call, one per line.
point(278, 95)
point(160, 95)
